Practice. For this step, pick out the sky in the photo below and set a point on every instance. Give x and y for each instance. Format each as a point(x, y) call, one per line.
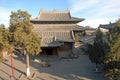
point(94, 12)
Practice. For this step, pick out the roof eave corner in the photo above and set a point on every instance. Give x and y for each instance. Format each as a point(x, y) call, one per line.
point(99, 25)
point(73, 36)
point(82, 19)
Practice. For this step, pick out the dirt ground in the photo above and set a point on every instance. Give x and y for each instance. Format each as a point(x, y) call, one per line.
point(60, 69)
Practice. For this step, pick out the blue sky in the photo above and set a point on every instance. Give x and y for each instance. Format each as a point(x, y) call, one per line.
point(95, 12)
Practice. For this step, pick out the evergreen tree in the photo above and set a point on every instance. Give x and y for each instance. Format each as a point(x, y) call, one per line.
point(112, 59)
point(4, 44)
point(97, 50)
point(22, 35)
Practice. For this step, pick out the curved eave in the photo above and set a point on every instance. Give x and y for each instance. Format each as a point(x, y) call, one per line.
point(73, 21)
point(107, 26)
point(77, 19)
point(79, 29)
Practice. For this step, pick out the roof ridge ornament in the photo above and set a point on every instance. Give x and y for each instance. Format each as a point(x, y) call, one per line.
point(110, 22)
point(54, 9)
point(41, 10)
point(68, 10)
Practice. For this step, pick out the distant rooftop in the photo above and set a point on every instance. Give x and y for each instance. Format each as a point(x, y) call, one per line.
point(56, 15)
point(107, 26)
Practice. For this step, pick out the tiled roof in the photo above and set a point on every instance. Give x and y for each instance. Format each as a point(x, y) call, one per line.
point(87, 39)
point(50, 41)
point(62, 36)
point(55, 38)
point(107, 26)
point(79, 28)
point(56, 16)
point(58, 27)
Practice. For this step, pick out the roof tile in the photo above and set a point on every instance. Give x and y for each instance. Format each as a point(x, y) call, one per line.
point(54, 38)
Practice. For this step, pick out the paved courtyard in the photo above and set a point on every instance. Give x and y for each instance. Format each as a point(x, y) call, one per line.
point(60, 69)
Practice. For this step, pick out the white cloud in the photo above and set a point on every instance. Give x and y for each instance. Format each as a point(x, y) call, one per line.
point(4, 16)
point(79, 5)
point(109, 8)
point(96, 11)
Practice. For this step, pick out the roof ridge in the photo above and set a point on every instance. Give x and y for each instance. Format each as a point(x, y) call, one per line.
point(56, 15)
point(57, 31)
point(55, 11)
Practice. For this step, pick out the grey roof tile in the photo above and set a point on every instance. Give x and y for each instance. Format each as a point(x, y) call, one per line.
point(50, 42)
point(107, 26)
point(63, 36)
point(56, 16)
point(55, 38)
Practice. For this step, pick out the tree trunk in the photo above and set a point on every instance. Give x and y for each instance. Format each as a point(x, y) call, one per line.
point(27, 64)
point(96, 69)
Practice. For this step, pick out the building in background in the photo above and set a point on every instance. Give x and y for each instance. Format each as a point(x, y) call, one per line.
point(106, 27)
point(56, 30)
